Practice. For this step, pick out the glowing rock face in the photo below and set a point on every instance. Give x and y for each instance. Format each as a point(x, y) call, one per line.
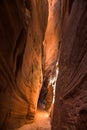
point(22, 30)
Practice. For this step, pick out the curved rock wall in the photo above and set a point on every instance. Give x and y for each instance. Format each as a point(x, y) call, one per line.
point(30, 77)
point(12, 42)
point(58, 13)
point(51, 39)
point(70, 111)
point(22, 28)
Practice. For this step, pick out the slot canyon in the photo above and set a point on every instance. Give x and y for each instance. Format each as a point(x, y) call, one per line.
point(43, 60)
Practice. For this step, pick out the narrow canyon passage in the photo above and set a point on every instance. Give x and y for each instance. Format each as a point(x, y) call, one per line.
point(42, 122)
point(43, 64)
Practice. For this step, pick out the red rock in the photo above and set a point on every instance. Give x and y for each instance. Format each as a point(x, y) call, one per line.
point(72, 81)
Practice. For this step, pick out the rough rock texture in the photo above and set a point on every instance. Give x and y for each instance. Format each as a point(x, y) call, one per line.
point(51, 39)
point(12, 43)
point(58, 13)
point(42, 122)
point(22, 31)
point(30, 78)
point(50, 45)
point(70, 112)
point(20, 59)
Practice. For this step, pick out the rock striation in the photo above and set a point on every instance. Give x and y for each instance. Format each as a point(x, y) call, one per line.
point(22, 28)
point(35, 35)
point(13, 34)
point(70, 111)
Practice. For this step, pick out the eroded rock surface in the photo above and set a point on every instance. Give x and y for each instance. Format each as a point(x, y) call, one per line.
point(22, 32)
point(70, 111)
point(58, 13)
point(30, 78)
point(12, 43)
point(22, 28)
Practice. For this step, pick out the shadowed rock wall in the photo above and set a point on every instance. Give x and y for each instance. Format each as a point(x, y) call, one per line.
point(22, 29)
point(70, 112)
point(12, 43)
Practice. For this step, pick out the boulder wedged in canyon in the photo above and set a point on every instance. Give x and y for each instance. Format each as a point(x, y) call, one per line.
point(70, 111)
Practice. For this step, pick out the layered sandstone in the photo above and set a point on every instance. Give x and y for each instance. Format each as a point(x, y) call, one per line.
point(22, 27)
point(13, 33)
point(70, 112)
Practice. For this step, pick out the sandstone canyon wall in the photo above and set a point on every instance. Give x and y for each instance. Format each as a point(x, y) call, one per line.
point(58, 15)
point(22, 32)
point(13, 34)
point(70, 111)
point(22, 27)
point(30, 78)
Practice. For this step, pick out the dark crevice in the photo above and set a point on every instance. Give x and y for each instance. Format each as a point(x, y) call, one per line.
point(28, 5)
point(18, 43)
point(70, 5)
point(19, 50)
point(82, 120)
point(18, 63)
